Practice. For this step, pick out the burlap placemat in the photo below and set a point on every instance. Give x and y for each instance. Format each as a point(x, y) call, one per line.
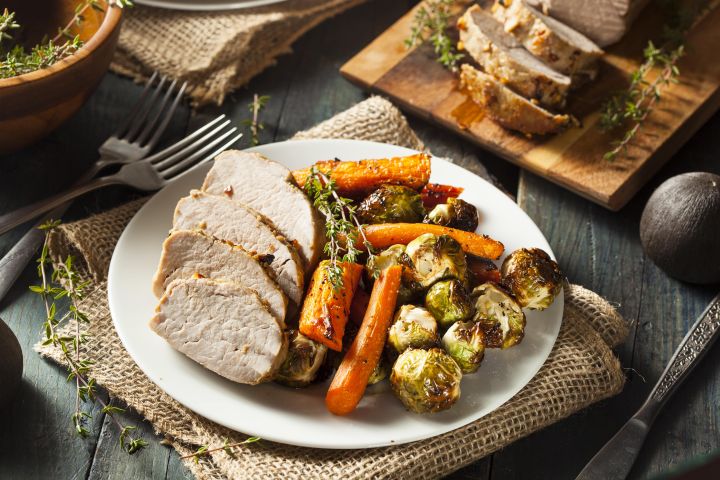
point(580, 370)
point(215, 52)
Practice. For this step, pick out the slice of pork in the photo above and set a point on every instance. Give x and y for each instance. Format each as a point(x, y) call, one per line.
point(223, 326)
point(503, 57)
point(186, 254)
point(506, 107)
point(222, 218)
point(563, 48)
point(266, 186)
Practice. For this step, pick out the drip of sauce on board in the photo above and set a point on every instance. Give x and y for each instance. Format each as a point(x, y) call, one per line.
point(467, 113)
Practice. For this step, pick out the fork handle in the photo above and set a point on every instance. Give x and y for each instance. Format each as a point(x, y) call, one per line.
point(22, 215)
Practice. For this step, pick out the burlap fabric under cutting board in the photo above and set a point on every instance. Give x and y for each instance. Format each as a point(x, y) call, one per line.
point(215, 52)
point(580, 370)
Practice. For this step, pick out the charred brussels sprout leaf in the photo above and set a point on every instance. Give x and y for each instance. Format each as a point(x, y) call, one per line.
point(413, 327)
point(449, 302)
point(465, 343)
point(533, 277)
point(426, 380)
point(436, 257)
point(302, 362)
point(455, 213)
point(391, 204)
point(381, 372)
point(395, 255)
point(499, 315)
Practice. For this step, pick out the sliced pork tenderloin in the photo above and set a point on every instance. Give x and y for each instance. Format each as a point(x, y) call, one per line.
point(222, 218)
point(186, 253)
point(223, 326)
point(506, 107)
point(504, 57)
point(563, 48)
point(269, 188)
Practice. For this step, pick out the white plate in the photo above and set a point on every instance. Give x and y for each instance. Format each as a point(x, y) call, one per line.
point(206, 5)
point(299, 417)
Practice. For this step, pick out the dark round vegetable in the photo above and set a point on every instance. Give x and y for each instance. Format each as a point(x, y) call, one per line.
point(11, 364)
point(680, 227)
point(391, 204)
point(456, 213)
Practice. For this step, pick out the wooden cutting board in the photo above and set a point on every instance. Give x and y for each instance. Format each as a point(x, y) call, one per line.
point(574, 159)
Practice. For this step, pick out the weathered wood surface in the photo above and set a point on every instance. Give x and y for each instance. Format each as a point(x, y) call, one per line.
point(597, 248)
point(574, 158)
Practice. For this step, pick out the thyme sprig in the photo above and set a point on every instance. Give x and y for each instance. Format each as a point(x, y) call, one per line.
point(341, 225)
point(18, 61)
point(255, 107)
point(636, 103)
point(228, 447)
point(64, 282)
point(431, 23)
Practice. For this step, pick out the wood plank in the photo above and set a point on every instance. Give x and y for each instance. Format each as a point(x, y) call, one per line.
point(572, 159)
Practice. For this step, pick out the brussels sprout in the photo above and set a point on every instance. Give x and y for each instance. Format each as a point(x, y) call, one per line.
point(303, 360)
point(499, 315)
point(465, 343)
point(436, 257)
point(533, 277)
point(449, 302)
point(395, 255)
point(455, 213)
point(391, 204)
point(426, 380)
point(380, 373)
point(413, 327)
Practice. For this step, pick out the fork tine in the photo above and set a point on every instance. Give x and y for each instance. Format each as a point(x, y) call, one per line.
point(192, 160)
point(136, 107)
point(185, 141)
point(147, 107)
point(150, 124)
point(168, 116)
point(165, 163)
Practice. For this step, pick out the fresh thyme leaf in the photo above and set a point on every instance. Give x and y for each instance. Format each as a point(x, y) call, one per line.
point(431, 23)
point(255, 107)
point(228, 447)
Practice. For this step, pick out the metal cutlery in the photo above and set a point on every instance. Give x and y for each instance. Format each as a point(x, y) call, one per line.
point(616, 458)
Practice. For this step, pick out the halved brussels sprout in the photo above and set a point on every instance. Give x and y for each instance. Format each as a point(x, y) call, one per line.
point(380, 373)
point(395, 255)
point(391, 204)
point(500, 316)
point(449, 302)
point(303, 360)
point(456, 213)
point(426, 380)
point(465, 343)
point(533, 277)
point(436, 257)
point(413, 327)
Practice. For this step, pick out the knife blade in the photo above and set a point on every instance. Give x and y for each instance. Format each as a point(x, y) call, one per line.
point(616, 458)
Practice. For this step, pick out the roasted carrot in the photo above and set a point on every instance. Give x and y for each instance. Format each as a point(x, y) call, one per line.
point(483, 270)
point(383, 235)
point(348, 385)
point(359, 306)
point(325, 310)
point(434, 194)
point(357, 179)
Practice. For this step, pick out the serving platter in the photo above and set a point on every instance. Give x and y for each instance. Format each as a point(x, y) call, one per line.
point(416, 82)
point(299, 416)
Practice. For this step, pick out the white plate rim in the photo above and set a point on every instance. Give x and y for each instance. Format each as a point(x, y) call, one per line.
point(309, 442)
point(209, 6)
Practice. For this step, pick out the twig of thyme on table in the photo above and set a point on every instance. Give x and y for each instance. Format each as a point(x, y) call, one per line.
point(228, 447)
point(255, 107)
point(341, 225)
point(64, 282)
point(431, 23)
point(637, 102)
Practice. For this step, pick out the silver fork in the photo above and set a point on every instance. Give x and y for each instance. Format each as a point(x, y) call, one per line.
point(148, 174)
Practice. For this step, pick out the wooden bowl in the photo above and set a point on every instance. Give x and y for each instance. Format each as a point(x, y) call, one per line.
point(34, 104)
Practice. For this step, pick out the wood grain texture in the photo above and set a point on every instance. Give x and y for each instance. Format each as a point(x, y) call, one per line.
point(573, 159)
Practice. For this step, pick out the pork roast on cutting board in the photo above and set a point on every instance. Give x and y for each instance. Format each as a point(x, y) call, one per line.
point(186, 254)
point(268, 187)
point(223, 326)
point(228, 220)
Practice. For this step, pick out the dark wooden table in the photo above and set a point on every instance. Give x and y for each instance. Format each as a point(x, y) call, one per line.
point(596, 248)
